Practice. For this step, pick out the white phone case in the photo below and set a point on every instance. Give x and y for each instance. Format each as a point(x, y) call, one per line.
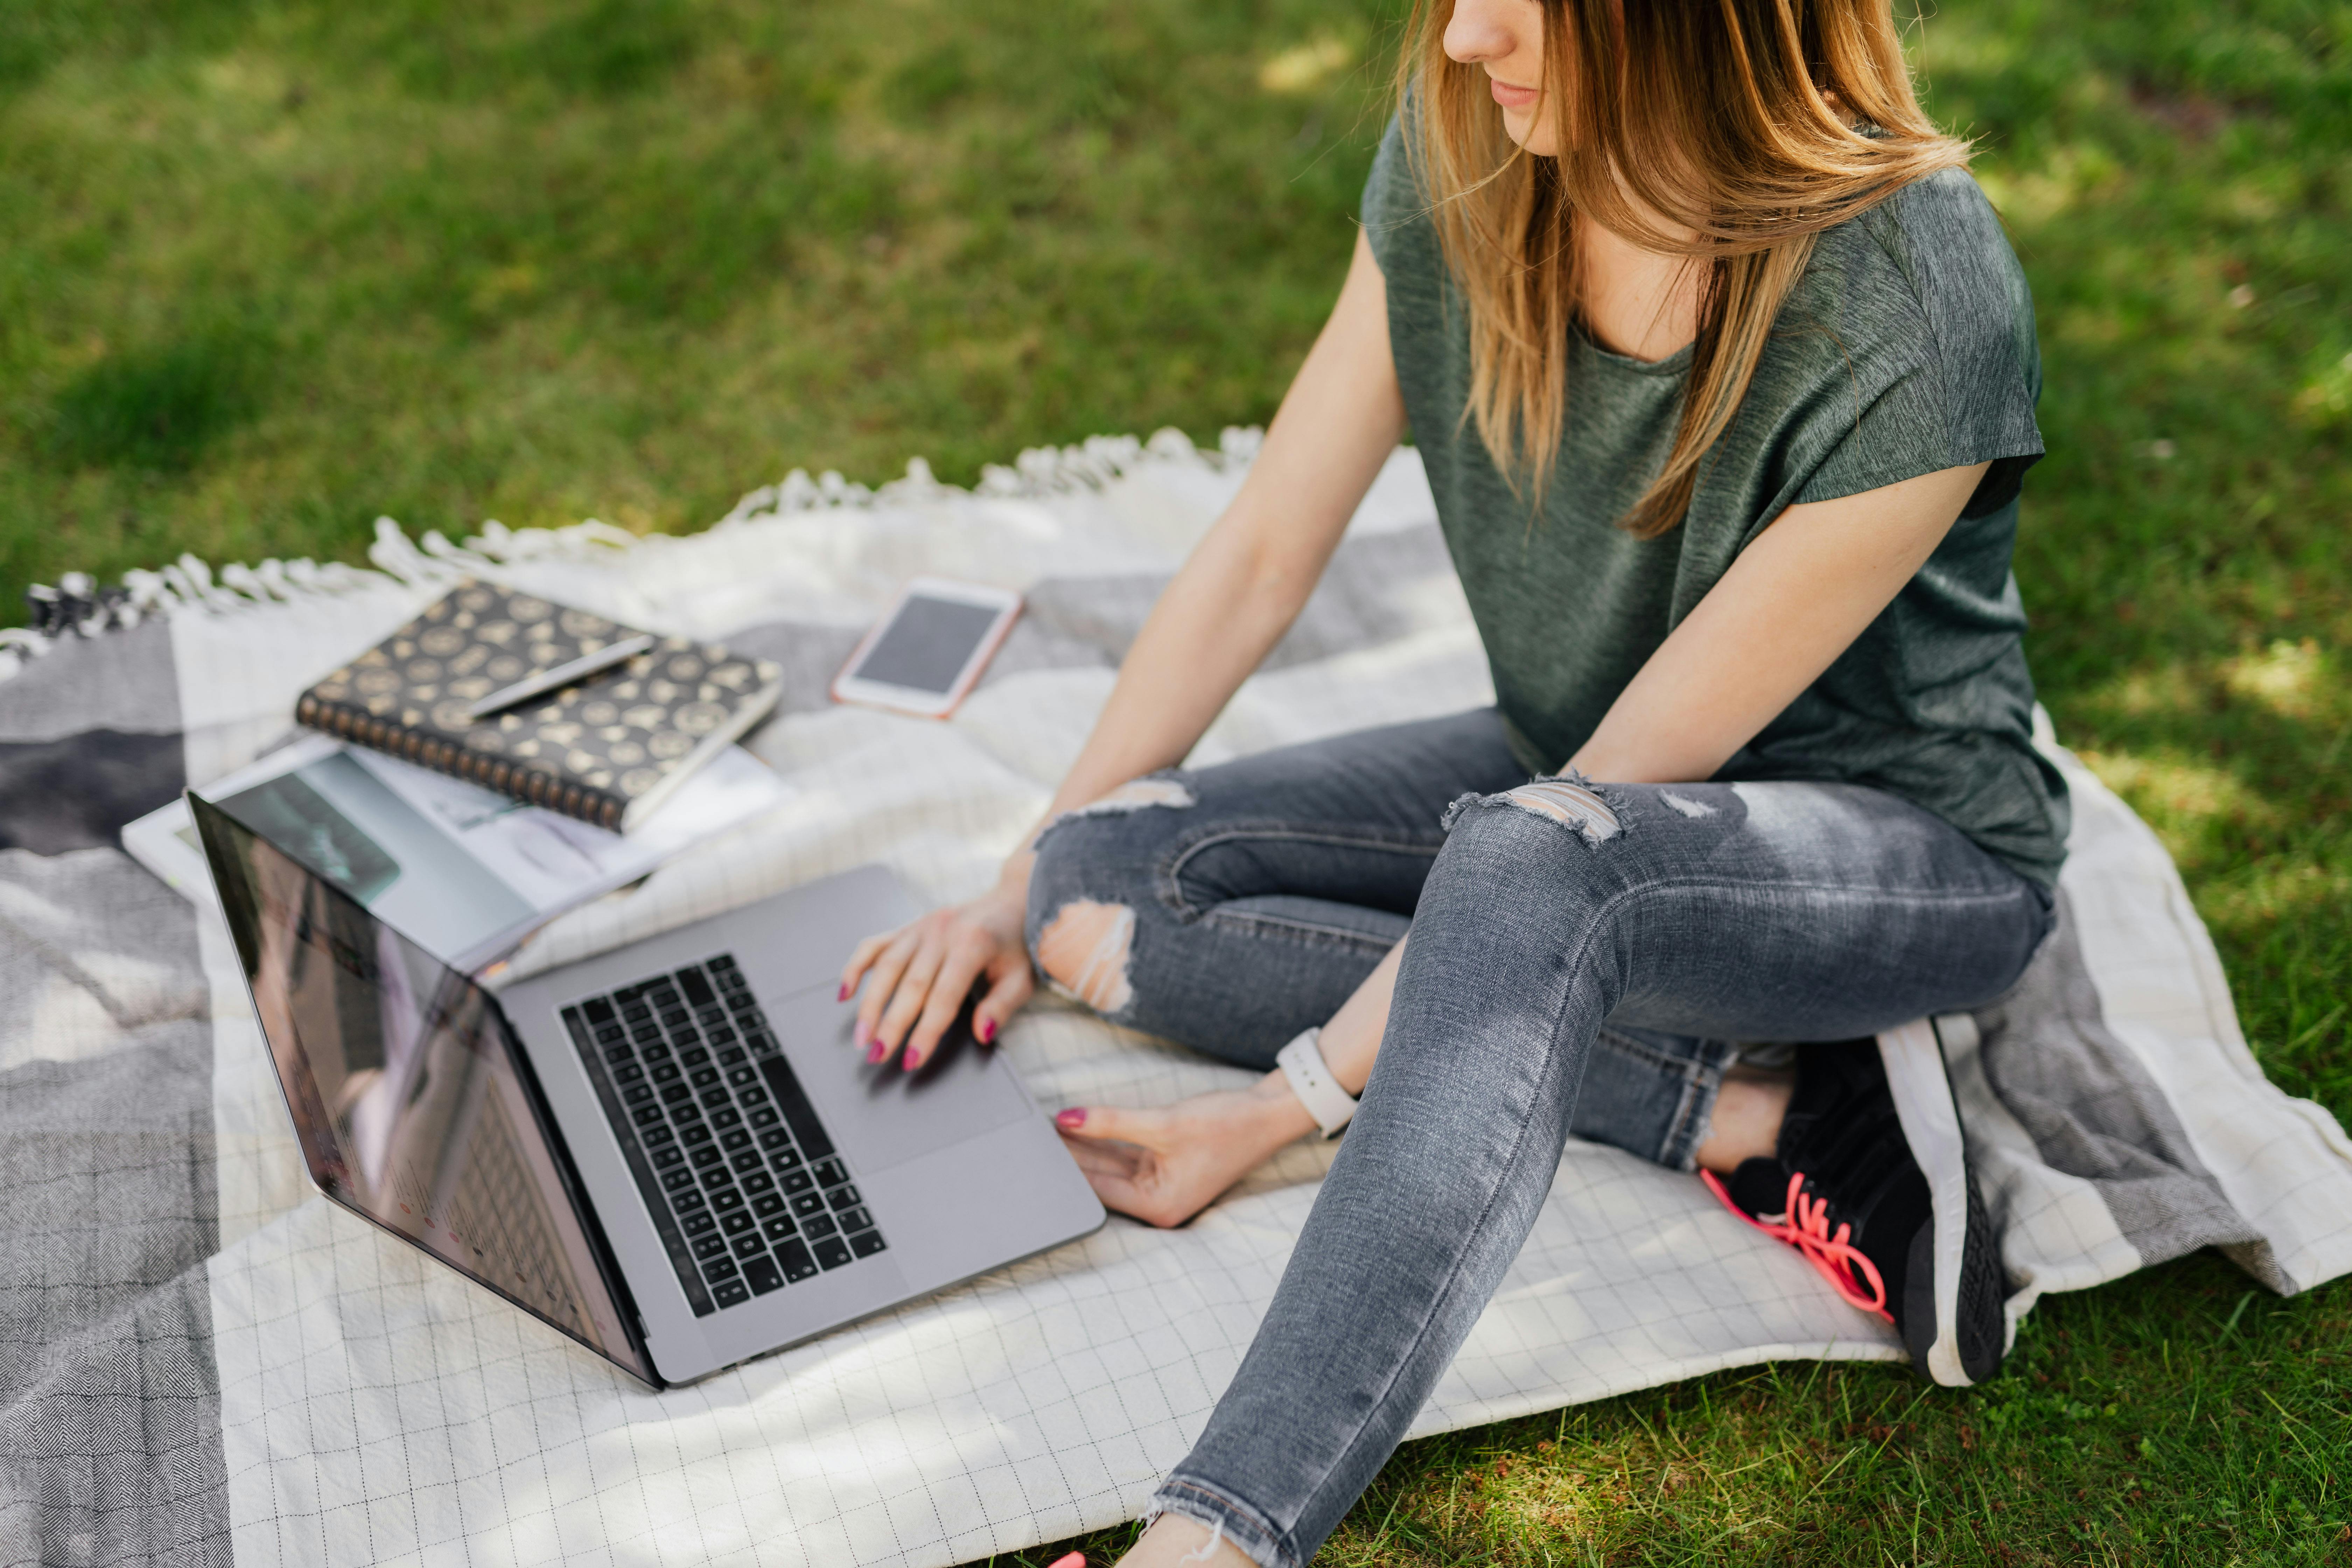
point(850, 687)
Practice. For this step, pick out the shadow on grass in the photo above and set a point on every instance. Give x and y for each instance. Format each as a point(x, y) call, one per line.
point(159, 406)
point(2181, 1415)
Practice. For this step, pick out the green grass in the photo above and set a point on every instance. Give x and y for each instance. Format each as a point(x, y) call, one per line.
point(272, 269)
point(2183, 1417)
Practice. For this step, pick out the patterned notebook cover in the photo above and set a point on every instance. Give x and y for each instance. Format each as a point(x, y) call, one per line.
point(607, 751)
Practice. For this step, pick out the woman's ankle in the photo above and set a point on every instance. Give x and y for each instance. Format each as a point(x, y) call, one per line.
point(1746, 1124)
point(1174, 1539)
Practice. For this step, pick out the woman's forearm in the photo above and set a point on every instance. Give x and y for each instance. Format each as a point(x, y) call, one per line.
point(1248, 580)
point(1790, 604)
point(1683, 715)
point(1232, 600)
point(1214, 624)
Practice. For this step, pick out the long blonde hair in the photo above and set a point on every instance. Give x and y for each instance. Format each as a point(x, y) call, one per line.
point(1733, 132)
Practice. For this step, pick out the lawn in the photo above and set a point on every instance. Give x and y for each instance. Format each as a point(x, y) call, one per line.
point(270, 269)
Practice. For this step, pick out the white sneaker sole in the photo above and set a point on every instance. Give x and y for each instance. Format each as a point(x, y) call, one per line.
point(1922, 1092)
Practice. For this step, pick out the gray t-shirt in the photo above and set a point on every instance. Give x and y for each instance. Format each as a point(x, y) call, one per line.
point(1907, 347)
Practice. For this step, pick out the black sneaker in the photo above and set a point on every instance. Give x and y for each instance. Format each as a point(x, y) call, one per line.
point(1872, 1184)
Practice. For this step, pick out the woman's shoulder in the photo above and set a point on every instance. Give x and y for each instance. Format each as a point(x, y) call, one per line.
point(1914, 333)
point(1929, 271)
point(1934, 250)
point(1946, 206)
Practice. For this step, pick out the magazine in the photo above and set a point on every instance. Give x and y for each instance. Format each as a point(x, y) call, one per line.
point(462, 871)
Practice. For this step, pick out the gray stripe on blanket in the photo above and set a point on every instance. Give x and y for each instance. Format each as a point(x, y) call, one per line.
point(109, 1403)
point(116, 680)
point(89, 740)
point(1370, 597)
point(1366, 598)
point(79, 791)
point(2094, 1112)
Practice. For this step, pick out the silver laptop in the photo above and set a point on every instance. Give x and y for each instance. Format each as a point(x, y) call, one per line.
point(670, 1151)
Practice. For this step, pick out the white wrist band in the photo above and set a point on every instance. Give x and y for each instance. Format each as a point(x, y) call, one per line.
point(1302, 1063)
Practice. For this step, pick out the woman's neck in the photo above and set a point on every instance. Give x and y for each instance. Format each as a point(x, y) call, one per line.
point(1633, 301)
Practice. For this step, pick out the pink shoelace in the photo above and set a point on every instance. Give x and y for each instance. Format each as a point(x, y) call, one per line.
point(1806, 1227)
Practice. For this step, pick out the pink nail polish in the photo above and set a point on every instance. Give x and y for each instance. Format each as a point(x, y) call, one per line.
point(877, 1051)
point(987, 1031)
point(910, 1061)
point(843, 994)
point(1073, 1117)
point(861, 1037)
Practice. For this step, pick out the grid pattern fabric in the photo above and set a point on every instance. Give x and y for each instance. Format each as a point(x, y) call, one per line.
point(206, 1362)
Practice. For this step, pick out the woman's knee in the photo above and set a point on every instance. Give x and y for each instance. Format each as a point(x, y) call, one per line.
point(1091, 876)
point(1554, 827)
point(1085, 949)
point(1530, 867)
point(1570, 803)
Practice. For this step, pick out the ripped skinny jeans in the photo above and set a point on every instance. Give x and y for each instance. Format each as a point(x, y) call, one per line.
point(1581, 963)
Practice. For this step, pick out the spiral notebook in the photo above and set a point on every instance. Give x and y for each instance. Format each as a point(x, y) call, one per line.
point(609, 749)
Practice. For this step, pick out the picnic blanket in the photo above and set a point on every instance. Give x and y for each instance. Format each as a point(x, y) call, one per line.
point(203, 1361)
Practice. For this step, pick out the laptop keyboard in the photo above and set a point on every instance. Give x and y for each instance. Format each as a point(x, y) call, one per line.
point(747, 1191)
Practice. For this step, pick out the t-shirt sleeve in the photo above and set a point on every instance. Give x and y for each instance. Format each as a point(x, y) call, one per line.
point(1940, 368)
point(1390, 203)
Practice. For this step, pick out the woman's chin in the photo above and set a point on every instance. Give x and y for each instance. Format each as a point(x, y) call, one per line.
point(1520, 126)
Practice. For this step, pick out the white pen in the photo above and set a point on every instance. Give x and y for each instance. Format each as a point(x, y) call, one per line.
point(562, 675)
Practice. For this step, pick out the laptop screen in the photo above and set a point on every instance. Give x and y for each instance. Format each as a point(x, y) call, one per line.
point(407, 1096)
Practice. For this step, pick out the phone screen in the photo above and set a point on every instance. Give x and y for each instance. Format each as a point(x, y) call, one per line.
point(926, 644)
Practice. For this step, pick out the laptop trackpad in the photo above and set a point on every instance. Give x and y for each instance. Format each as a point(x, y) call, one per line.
point(882, 1115)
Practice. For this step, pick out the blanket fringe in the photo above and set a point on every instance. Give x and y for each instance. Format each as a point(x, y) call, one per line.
point(79, 605)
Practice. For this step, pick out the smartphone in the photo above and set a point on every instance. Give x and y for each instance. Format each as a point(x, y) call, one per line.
point(929, 649)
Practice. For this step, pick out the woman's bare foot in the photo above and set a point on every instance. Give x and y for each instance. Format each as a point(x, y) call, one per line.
point(1174, 1539)
point(1165, 1165)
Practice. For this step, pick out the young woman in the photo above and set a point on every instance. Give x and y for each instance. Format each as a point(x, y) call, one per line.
point(1723, 376)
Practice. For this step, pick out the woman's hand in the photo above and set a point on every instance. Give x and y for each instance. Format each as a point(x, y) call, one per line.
point(1166, 1165)
point(922, 972)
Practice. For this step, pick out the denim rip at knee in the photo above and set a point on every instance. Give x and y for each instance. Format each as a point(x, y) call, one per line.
point(1168, 868)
